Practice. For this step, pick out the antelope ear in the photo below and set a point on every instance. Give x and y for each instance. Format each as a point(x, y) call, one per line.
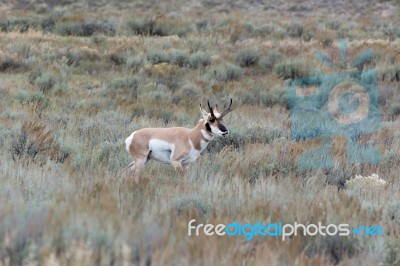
point(204, 113)
point(216, 113)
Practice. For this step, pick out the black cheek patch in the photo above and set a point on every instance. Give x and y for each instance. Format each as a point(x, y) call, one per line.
point(208, 127)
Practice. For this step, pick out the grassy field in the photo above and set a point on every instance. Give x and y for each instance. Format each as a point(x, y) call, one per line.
point(77, 78)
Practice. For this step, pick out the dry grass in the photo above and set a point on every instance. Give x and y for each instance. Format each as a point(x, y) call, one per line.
point(68, 102)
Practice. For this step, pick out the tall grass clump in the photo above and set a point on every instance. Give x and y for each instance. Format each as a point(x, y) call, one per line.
point(135, 63)
point(157, 27)
point(45, 82)
point(276, 96)
point(158, 56)
point(130, 85)
point(247, 57)
point(269, 61)
point(295, 30)
point(85, 29)
point(188, 94)
point(201, 25)
point(19, 24)
point(180, 58)
point(8, 63)
point(291, 69)
point(36, 143)
point(36, 101)
point(225, 73)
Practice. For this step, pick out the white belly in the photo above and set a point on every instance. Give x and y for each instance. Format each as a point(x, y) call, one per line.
point(160, 150)
point(192, 156)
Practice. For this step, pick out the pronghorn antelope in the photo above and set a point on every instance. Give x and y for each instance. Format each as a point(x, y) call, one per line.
point(178, 146)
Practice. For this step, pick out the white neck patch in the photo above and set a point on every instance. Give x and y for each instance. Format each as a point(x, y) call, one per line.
point(206, 135)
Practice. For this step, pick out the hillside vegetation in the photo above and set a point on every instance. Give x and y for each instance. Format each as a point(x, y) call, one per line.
point(77, 78)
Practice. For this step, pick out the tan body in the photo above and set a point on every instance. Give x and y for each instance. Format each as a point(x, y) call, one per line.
point(178, 146)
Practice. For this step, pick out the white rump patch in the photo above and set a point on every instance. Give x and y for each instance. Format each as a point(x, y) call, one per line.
point(128, 141)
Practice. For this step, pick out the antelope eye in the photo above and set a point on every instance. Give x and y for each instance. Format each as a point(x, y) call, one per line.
point(212, 119)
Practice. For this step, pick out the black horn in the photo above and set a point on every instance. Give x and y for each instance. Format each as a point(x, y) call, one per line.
point(227, 110)
point(211, 109)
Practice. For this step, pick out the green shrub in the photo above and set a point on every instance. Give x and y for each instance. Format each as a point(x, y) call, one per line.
point(85, 28)
point(393, 251)
point(333, 24)
point(189, 206)
point(35, 142)
point(105, 152)
point(307, 36)
point(179, 58)
point(171, 81)
point(245, 96)
point(22, 96)
point(394, 110)
point(291, 70)
point(263, 30)
point(239, 137)
point(157, 57)
point(8, 63)
point(47, 24)
point(295, 30)
point(134, 62)
point(129, 84)
point(201, 25)
point(69, 28)
point(35, 73)
point(199, 60)
point(124, 83)
point(153, 27)
point(38, 102)
point(18, 24)
point(141, 26)
point(64, 153)
point(336, 248)
point(367, 57)
point(390, 74)
point(233, 72)
point(225, 73)
point(189, 94)
point(326, 41)
point(23, 50)
point(274, 97)
point(118, 58)
point(45, 82)
point(271, 59)
point(247, 57)
point(98, 39)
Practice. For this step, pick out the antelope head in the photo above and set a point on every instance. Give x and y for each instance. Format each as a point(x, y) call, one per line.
point(214, 119)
